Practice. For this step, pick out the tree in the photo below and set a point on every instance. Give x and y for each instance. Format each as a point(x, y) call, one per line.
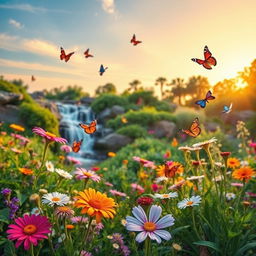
point(107, 88)
point(225, 87)
point(134, 85)
point(178, 88)
point(161, 81)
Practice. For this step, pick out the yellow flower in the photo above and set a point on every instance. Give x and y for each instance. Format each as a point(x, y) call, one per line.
point(170, 169)
point(175, 142)
point(244, 174)
point(94, 203)
point(17, 127)
point(233, 162)
point(143, 175)
point(111, 154)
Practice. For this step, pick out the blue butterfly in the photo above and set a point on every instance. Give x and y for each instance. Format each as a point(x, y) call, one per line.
point(202, 103)
point(227, 109)
point(102, 69)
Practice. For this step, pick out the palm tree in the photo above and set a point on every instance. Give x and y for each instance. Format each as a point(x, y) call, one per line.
point(178, 88)
point(161, 81)
point(134, 85)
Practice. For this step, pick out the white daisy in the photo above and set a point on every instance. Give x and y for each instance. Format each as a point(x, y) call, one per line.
point(195, 177)
point(204, 143)
point(192, 201)
point(160, 179)
point(230, 196)
point(35, 211)
point(49, 166)
point(64, 174)
point(166, 196)
point(55, 198)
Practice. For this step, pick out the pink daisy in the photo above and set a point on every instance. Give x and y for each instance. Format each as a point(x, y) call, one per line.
point(66, 148)
point(29, 229)
point(48, 136)
point(23, 139)
point(82, 173)
point(108, 184)
point(117, 193)
point(137, 187)
point(73, 160)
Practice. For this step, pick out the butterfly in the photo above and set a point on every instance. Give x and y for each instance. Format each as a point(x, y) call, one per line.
point(33, 79)
point(64, 56)
point(202, 103)
point(194, 129)
point(89, 129)
point(134, 41)
point(208, 61)
point(86, 54)
point(76, 145)
point(102, 69)
point(227, 109)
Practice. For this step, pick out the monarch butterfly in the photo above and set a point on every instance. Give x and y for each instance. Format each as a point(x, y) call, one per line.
point(227, 109)
point(202, 103)
point(194, 129)
point(170, 170)
point(102, 69)
point(208, 61)
point(33, 79)
point(134, 41)
point(89, 129)
point(86, 54)
point(64, 56)
point(76, 145)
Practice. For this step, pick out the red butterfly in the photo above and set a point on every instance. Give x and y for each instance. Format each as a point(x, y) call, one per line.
point(76, 145)
point(86, 54)
point(91, 128)
point(64, 56)
point(208, 61)
point(134, 41)
point(33, 79)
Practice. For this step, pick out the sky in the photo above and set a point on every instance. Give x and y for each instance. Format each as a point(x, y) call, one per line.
point(172, 32)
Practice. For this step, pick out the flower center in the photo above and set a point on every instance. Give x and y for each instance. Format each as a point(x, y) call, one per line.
point(189, 203)
point(50, 134)
point(165, 195)
point(87, 174)
point(29, 229)
point(95, 203)
point(63, 209)
point(55, 199)
point(149, 226)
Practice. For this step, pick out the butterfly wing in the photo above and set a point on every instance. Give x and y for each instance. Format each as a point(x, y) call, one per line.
point(76, 146)
point(201, 103)
point(137, 42)
point(194, 128)
point(209, 96)
point(89, 129)
point(62, 54)
point(67, 57)
point(207, 53)
point(198, 61)
point(133, 39)
point(212, 61)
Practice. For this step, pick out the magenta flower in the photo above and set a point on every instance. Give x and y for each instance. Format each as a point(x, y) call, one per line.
point(29, 230)
point(149, 227)
point(117, 193)
point(82, 174)
point(48, 136)
point(137, 187)
point(73, 160)
point(23, 139)
point(66, 148)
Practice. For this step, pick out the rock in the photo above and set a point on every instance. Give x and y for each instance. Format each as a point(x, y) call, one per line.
point(87, 100)
point(112, 142)
point(164, 129)
point(10, 114)
point(37, 95)
point(9, 97)
point(105, 114)
point(112, 112)
point(49, 105)
point(211, 126)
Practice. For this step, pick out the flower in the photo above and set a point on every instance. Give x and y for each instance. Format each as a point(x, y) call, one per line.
point(160, 179)
point(15, 150)
point(230, 196)
point(29, 230)
point(235, 184)
point(177, 247)
point(189, 202)
point(78, 219)
point(111, 154)
point(94, 203)
point(26, 171)
point(66, 148)
point(95, 168)
point(48, 136)
point(63, 212)
point(117, 193)
point(17, 127)
point(115, 245)
point(125, 162)
point(137, 187)
point(23, 139)
point(178, 184)
point(166, 196)
point(64, 174)
point(70, 226)
point(170, 169)
point(6, 192)
point(35, 211)
point(244, 174)
point(156, 187)
point(149, 227)
point(73, 160)
point(82, 173)
point(55, 198)
point(167, 154)
point(195, 177)
point(145, 200)
point(205, 144)
point(108, 184)
point(225, 154)
point(233, 162)
point(251, 194)
point(144, 162)
point(85, 253)
point(142, 175)
point(49, 166)
point(175, 142)
point(196, 163)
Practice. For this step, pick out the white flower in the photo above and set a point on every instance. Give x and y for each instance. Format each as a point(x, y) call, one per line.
point(166, 196)
point(116, 246)
point(230, 196)
point(55, 198)
point(35, 211)
point(244, 163)
point(49, 166)
point(160, 179)
point(219, 164)
point(192, 201)
point(206, 142)
point(64, 174)
point(195, 177)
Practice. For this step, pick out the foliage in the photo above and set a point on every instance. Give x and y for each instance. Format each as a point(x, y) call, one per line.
point(107, 88)
point(133, 131)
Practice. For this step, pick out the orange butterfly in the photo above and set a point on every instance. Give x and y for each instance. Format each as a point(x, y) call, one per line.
point(64, 56)
point(86, 54)
point(134, 41)
point(33, 79)
point(76, 145)
point(91, 128)
point(194, 129)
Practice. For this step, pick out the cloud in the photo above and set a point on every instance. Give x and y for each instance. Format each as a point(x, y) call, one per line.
point(15, 23)
point(108, 6)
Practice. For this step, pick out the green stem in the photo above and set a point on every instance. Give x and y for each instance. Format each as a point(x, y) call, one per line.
point(51, 246)
point(32, 250)
point(44, 154)
point(194, 223)
point(147, 247)
point(87, 232)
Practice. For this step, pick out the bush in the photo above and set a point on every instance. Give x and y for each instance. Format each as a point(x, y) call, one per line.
point(133, 131)
point(108, 100)
point(147, 96)
point(164, 106)
point(35, 115)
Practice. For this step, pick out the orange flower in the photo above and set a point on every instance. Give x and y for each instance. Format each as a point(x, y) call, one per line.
point(244, 174)
point(70, 226)
point(94, 203)
point(233, 162)
point(175, 142)
point(26, 171)
point(17, 127)
point(111, 154)
point(170, 169)
point(125, 162)
point(143, 175)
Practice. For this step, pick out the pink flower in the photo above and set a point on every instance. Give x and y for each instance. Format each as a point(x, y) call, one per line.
point(251, 194)
point(23, 139)
point(79, 219)
point(108, 184)
point(117, 193)
point(237, 184)
point(29, 229)
point(137, 187)
point(82, 174)
point(66, 148)
point(156, 187)
point(74, 160)
point(252, 144)
point(144, 162)
point(48, 136)
point(151, 131)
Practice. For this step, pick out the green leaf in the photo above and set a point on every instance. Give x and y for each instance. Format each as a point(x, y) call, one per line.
point(4, 215)
point(245, 248)
point(209, 244)
point(21, 197)
point(232, 234)
point(176, 230)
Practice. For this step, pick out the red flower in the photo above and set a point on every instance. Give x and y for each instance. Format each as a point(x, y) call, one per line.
point(145, 200)
point(225, 154)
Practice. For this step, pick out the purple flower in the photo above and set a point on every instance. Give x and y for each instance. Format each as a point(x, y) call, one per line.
point(149, 227)
point(125, 250)
point(6, 192)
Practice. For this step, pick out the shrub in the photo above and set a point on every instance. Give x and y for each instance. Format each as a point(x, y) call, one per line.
point(35, 115)
point(133, 131)
point(164, 106)
point(147, 96)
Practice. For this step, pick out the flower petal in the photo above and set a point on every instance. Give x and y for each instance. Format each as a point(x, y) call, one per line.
point(139, 214)
point(141, 236)
point(165, 222)
point(154, 213)
point(163, 234)
point(154, 236)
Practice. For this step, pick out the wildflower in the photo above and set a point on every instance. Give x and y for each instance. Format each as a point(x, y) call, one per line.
point(230, 196)
point(167, 154)
point(177, 247)
point(116, 246)
point(78, 219)
point(189, 202)
point(43, 191)
point(149, 227)
point(29, 230)
point(95, 168)
point(17, 127)
point(156, 187)
point(26, 171)
point(70, 226)
point(49, 166)
point(178, 184)
point(85, 253)
point(144, 162)
point(235, 184)
point(160, 179)
point(196, 163)
point(55, 198)
point(125, 162)
point(109, 184)
point(185, 148)
point(175, 142)
point(225, 154)
point(145, 200)
point(35, 198)
point(15, 150)
point(64, 174)
point(23, 139)
point(205, 144)
point(123, 222)
point(6, 192)
point(166, 196)
point(251, 194)
point(233, 162)
point(94, 203)
point(35, 211)
point(143, 175)
point(63, 212)
point(111, 154)
point(48, 136)
point(244, 163)
point(137, 187)
point(82, 173)
point(117, 193)
point(244, 174)
point(73, 160)
point(195, 177)
point(66, 148)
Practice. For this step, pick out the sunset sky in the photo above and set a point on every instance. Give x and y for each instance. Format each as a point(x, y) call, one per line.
point(172, 31)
